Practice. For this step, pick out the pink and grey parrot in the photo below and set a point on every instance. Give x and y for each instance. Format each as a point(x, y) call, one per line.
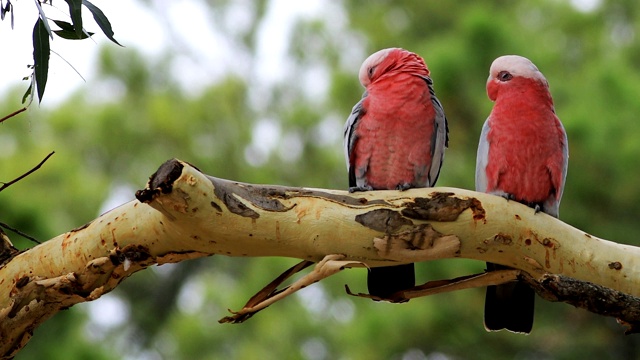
point(522, 156)
point(394, 139)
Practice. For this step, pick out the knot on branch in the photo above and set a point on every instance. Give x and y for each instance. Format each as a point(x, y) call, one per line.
point(7, 250)
point(129, 252)
point(161, 182)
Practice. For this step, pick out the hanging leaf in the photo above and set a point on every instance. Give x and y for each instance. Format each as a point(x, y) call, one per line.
point(43, 18)
point(41, 52)
point(27, 93)
point(101, 20)
point(71, 35)
point(10, 9)
point(75, 10)
point(4, 9)
point(67, 31)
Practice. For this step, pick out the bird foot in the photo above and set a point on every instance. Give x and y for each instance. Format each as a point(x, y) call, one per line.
point(360, 188)
point(537, 207)
point(403, 187)
point(330, 265)
point(508, 196)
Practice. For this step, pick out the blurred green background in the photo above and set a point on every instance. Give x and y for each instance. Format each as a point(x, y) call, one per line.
point(114, 132)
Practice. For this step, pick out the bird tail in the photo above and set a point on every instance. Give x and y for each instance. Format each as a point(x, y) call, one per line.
point(384, 281)
point(509, 306)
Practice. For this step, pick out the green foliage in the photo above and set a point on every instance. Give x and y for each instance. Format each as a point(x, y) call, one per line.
point(69, 31)
point(590, 57)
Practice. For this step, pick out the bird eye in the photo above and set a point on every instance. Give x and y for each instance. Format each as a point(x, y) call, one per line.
point(504, 76)
point(371, 70)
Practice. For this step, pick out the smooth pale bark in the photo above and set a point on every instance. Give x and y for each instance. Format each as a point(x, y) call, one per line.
point(185, 214)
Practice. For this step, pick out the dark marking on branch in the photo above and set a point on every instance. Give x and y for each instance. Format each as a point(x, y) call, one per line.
point(419, 237)
point(216, 206)
point(136, 252)
point(504, 239)
point(383, 220)
point(130, 252)
point(22, 282)
point(268, 197)
point(616, 265)
point(442, 207)
point(263, 198)
point(80, 227)
point(237, 207)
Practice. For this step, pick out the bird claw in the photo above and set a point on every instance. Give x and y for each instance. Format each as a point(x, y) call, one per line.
point(360, 188)
point(537, 207)
point(508, 196)
point(403, 187)
point(329, 265)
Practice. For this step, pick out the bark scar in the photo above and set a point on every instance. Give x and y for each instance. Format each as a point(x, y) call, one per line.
point(442, 206)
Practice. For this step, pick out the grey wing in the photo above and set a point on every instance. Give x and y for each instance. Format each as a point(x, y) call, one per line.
point(350, 136)
point(440, 139)
point(482, 159)
point(565, 162)
point(552, 205)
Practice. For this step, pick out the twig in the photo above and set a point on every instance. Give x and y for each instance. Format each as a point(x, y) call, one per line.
point(589, 296)
point(6, 185)
point(19, 232)
point(13, 114)
point(71, 66)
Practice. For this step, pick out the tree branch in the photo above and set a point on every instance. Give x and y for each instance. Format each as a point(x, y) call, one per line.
point(6, 185)
point(7, 117)
point(184, 214)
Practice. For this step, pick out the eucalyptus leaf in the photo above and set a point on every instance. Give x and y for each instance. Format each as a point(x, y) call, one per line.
point(41, 53)
point(75, 11)
point(27, 93)
point(43, 17)
point(4, 9)
point(71, 35)
point(101, 20)
point(64, 25)
point(67, 31)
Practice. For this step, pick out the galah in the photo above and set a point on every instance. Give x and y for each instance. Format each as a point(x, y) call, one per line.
point(522, 156)
point(394, 139)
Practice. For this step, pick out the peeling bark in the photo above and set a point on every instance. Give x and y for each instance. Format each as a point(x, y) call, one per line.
point(184, 214)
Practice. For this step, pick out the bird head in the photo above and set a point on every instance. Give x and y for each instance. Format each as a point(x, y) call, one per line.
point(388, 61)
point(512, 71)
